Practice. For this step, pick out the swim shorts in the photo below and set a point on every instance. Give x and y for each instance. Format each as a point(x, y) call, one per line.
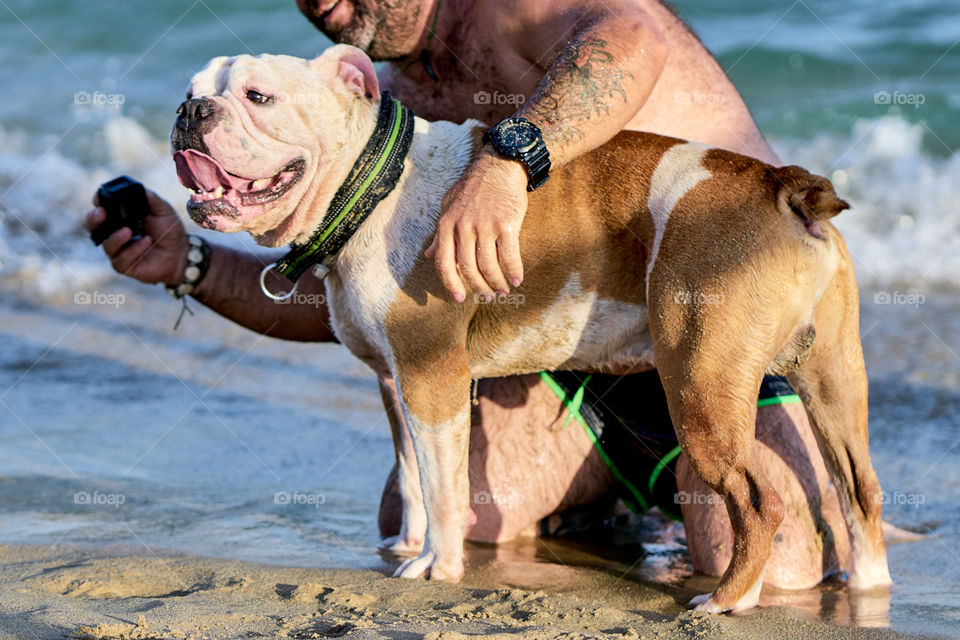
point(627, 420)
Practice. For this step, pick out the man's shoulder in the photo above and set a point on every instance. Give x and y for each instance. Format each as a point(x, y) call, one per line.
point(535, 28)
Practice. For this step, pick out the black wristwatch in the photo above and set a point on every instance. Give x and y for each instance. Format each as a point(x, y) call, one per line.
point(519, 139)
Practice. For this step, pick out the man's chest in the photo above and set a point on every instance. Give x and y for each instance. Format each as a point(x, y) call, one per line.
point(488, 89)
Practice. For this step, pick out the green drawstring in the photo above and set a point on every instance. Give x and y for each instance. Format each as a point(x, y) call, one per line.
point(661, 465)
point(791, 398)
point(635, 501)
point(574, 406)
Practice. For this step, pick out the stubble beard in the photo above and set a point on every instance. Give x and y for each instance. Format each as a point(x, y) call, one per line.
point(383, 36)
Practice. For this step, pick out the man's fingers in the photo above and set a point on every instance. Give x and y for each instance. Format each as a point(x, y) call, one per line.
point(489, 264)
point(159, 206)
point(94, 219)
point(113, 244)
point(509, 248)
point(431, 251)
point(446, 261)
point(467, 260)
point(128, 258)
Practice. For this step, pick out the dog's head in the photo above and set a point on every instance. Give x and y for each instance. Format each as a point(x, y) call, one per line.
point(264, 142)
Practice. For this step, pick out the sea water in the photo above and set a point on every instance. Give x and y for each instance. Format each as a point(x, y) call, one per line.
point(116, 429)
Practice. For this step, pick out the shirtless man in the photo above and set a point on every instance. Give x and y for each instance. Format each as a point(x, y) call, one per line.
point(583, 70)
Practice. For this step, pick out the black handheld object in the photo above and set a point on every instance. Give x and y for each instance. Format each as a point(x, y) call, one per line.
point(125, 201)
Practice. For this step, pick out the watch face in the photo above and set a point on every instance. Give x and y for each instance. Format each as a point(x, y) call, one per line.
point(517, 135)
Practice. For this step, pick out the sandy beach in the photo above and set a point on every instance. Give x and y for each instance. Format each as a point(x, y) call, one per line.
point(146, 473)
point(116, 593)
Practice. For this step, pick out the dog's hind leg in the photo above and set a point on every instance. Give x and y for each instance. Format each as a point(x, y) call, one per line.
point(714, 415)
point(711, 352)
point(833, 386)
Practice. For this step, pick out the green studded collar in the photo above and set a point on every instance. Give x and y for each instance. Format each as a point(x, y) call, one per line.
point(373, 176)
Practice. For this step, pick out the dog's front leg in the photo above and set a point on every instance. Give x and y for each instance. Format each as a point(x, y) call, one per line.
point(413, 525)
point(435, 394)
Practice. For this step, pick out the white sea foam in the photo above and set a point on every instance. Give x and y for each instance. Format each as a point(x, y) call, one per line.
point(905, 221)
point(45, 195)
point(904, 225)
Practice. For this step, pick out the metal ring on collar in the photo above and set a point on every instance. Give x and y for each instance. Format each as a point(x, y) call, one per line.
point(263, 286)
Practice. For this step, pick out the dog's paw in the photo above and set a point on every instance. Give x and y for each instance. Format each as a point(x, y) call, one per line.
point(705, 603)
point(418, 567)
point(402, 545)
point(426, 565)
point(868, 575)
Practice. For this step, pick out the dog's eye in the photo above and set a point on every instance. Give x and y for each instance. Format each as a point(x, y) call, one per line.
point(257, 97)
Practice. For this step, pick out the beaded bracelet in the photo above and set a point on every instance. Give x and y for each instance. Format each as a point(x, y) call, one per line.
point(198, 262)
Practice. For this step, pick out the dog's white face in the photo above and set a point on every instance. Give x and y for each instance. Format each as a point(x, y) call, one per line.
point(263, 142)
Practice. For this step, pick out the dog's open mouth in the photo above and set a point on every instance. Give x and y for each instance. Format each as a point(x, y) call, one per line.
point(210, 183)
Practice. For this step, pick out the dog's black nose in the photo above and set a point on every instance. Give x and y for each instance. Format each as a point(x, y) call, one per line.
point(195, 118)
point(194, 110)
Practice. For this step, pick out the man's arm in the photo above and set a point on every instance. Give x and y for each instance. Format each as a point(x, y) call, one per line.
point(231, 285)
point(597, 79)
point(231, 288)
point(604, 63)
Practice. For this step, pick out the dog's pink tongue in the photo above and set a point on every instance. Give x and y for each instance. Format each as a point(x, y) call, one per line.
point(200, 172)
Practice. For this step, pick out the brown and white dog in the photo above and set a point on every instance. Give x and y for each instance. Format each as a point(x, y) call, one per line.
point(648, 251)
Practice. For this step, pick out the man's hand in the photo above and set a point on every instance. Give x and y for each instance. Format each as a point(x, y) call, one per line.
point(478, 236)
point(159, 256)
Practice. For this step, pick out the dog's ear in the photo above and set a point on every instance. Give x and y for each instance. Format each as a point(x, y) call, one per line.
point(805, 194)
point(353, 67)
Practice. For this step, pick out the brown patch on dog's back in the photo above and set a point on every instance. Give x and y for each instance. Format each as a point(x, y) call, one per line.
point(592, 213)
point(582, 220)
point(764, 251)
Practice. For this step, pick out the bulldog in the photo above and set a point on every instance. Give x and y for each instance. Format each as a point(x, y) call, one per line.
point(713, 267)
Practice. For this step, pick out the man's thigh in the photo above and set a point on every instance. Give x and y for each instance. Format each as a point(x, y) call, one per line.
point(527, 460)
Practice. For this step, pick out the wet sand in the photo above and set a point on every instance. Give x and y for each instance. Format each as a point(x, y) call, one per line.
point(119, 593)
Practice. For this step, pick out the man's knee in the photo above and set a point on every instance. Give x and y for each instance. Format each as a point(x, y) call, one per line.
point(390, 518)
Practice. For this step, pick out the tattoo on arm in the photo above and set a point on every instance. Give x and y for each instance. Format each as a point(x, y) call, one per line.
point(581, 83)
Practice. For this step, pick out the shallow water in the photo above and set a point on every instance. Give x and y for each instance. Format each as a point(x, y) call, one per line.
point(212, 440)
point(113, 428)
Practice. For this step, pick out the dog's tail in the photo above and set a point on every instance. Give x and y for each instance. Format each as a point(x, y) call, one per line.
point(807, 196)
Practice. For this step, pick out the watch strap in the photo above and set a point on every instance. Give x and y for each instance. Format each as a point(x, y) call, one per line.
point(535, 161)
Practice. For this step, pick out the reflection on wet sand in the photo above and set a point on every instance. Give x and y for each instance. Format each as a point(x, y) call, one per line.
point(653, 552)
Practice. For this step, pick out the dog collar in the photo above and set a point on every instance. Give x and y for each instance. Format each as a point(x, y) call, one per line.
point(373, 176)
